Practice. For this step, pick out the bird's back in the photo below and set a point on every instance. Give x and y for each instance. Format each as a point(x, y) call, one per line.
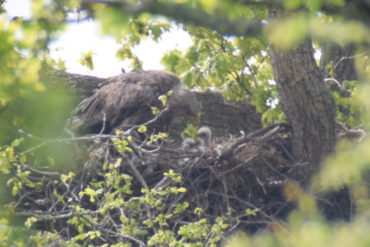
point(124, 100)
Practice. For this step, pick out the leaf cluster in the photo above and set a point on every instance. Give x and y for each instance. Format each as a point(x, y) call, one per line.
point(102, 205)
point(105, 206)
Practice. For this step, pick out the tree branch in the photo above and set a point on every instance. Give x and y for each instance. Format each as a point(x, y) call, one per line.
point(186, 14)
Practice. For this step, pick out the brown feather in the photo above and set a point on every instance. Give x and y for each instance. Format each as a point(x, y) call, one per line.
point(126, 100)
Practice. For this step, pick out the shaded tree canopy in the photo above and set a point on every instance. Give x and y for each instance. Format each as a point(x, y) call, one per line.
point(281, 86)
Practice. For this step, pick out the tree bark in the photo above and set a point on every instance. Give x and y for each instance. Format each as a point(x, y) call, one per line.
point(81, 86)
point(308, 106)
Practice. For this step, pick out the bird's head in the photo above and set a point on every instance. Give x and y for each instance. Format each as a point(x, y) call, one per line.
point(205, 136)
point(188, 143)
point(183, 102)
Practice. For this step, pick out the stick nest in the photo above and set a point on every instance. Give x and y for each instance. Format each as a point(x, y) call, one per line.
point(129, 182)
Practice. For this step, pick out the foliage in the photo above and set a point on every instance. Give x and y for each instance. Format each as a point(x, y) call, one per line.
point(87, 59)
point(103, 206)
point(237, 65)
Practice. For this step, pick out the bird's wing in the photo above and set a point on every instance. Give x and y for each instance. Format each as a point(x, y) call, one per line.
point(121, 98)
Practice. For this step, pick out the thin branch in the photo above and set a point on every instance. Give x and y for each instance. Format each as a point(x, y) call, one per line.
point(40, 172)
point(350, 57)
point(184, 13)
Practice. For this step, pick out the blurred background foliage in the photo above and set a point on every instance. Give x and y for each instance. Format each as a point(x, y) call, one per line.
point(34, 108)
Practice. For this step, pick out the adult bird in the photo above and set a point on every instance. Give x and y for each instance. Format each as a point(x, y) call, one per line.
point(128, 99)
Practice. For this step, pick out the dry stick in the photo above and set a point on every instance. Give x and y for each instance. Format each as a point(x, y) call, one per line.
point(176, 200)
point(19, 200)
point(142, 150)
point(117, 234)
point(261, 184)
point(141, 180)
point(136, 172)
point(271, 218)
point(225, 190)
point(39, 172)
point(51, 216)
point(290, 156)
point(241, 164)
point(88, 137)
point(273, 168)
point(132, 127)
point(229, 151)
point(34, 148)
point(162, 183)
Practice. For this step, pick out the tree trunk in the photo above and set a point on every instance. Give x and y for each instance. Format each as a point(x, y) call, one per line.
point(308, 106)
point(81, 86)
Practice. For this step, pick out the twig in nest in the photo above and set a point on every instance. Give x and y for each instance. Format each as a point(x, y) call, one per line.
point(141, 180)
point(241, 164)
point(273, 168)
point(267, 133)
point(261, 184)
point(136, 172)
point(43, 173)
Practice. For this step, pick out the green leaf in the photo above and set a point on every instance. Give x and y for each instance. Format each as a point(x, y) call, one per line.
point(142, 129)
point(87, 60)
point(163, 99)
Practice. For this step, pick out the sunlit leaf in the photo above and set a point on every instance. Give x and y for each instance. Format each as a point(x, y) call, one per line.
point(288, 32)
point(87, 59)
